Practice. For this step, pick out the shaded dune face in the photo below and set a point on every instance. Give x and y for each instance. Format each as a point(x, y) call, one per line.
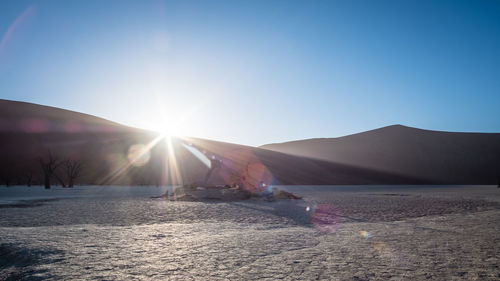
point(111, 153)
point(108, 151)
point(422, 155)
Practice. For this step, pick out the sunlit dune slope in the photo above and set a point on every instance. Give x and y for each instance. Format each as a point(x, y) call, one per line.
point(432, 156)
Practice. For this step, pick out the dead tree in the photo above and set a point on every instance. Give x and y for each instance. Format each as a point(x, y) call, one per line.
point(48, 168)
point(6, 180)
point(29, 178)
point(73, 170)
point(59, 179)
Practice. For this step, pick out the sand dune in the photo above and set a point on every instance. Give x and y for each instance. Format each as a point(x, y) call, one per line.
point(28, 132)
point(429, 156)
point(390, 155)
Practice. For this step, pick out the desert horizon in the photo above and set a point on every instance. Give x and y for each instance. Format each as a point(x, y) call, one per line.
point(34, 133)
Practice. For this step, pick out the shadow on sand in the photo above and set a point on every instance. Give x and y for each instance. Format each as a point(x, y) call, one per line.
point(20, 263)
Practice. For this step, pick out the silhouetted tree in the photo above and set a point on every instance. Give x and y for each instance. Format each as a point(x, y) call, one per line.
point(19, 179)
point(6, 180)
point(29, 177)
point(49, 167)
point(60, 180)
point(73, 170)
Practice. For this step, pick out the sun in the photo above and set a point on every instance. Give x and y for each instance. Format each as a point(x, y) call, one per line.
point(169, 129)
point(171, 121)
point(166, 127)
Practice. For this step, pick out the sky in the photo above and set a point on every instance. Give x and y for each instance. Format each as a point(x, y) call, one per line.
point(257, 72)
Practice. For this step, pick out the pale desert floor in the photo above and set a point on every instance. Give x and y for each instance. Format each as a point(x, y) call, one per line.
point(335, 233)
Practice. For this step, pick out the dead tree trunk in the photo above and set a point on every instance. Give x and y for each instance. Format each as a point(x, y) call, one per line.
point(73, 170)
point(6, 180)
point(60, 180)
point(48, 168)
point(29, 178)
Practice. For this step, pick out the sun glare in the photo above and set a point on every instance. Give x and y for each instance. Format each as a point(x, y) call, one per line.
point(171, 122)
point(169, 130)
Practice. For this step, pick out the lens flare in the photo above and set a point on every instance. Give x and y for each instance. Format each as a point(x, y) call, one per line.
point(326, 218)
point(73, 127)
point(202, 157)
point(365, 234)
point(244, 168)
point(11, 30)
point(120, 171)
point(36, 125)
point(138, 155)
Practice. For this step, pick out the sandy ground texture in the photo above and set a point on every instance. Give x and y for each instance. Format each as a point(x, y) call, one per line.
point(335, 233)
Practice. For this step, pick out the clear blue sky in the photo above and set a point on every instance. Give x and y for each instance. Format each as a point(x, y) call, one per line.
point(255, 72)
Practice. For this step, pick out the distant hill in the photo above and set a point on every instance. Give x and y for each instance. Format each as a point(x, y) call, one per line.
point(29, 132)
point(391, 155)
point(427, 156)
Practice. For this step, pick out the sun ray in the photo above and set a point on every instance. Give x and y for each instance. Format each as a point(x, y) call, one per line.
point(120, 170)
point(172, 167)
point(169, 130)
point(200, 156)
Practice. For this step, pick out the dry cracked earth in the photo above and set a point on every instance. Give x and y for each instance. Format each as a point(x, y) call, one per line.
point(358, 233)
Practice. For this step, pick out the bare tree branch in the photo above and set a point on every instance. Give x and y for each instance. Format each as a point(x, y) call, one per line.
point(49, 167)
point(73, 171)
